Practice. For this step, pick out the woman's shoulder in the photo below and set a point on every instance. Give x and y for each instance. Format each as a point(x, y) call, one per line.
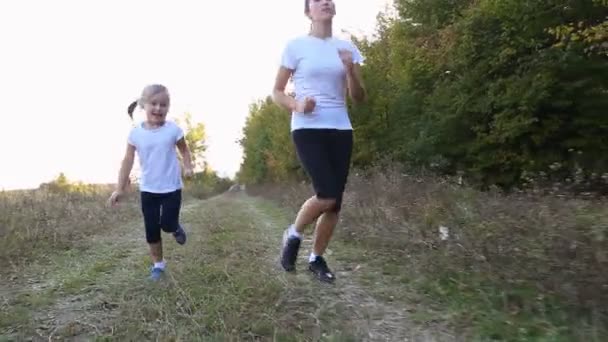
point(293, 41)
point(344, 43)
point(349, 45)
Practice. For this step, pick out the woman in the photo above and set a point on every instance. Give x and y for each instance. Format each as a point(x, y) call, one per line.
point(324, 69)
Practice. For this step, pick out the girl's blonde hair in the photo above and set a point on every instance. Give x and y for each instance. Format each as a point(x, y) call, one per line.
point(146, 94)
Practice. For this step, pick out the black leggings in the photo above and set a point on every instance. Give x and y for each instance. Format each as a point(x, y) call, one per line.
point(325, 154)
point(161, 211)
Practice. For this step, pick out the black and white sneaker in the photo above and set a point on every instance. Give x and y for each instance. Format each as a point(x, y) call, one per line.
point(321, 270)
point(289, 255)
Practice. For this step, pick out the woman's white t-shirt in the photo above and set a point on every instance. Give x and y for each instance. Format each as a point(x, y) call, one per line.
point(318, 72)
point(160, 169)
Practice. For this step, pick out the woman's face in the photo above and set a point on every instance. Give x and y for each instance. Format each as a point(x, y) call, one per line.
point(321, 10)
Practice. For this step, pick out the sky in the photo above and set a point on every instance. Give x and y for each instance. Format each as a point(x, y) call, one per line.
point(69, 69)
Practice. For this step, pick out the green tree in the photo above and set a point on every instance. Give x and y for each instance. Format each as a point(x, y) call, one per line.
point(196, 137)
point(61, 180)
point(205, 182)
point(493, 89)
point(267, 148)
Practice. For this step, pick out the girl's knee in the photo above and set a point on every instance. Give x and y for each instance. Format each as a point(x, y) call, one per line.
point(170, 228)
point(153, 237)
point(169, 222)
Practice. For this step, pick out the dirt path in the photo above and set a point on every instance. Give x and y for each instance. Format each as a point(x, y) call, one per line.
point(372, 320)
point(225, 284)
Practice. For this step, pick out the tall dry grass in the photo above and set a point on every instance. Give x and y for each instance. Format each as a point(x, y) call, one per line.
point(36, 222)
point(518, 265)
point(62, 215)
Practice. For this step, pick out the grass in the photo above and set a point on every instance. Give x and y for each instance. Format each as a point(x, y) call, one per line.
point(223, 285)
point(46, 240)
point(204, 295)
point(231, 288)
point(515, 267)
point(36, 222)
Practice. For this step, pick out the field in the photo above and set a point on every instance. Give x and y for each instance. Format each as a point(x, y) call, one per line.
point(513, 268)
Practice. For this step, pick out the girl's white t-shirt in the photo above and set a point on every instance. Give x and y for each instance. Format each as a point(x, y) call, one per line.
point(156, 149)
point(318, 72)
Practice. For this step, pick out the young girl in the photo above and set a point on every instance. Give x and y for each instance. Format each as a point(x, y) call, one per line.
point(323, 69)
point(160, 186)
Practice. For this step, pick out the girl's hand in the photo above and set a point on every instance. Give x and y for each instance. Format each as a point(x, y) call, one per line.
point(115, 197)
point(188, 172)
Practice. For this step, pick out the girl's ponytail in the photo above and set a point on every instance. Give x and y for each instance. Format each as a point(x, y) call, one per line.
point(131, 109)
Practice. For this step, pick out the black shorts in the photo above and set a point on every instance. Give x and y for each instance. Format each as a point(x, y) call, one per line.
point(325, 154)
point(161, 211)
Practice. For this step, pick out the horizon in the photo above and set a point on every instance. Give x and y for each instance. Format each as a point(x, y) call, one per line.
point(68, 78)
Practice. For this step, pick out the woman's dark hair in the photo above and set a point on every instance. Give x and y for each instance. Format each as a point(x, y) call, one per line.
point(306, 3)
point(146, 94)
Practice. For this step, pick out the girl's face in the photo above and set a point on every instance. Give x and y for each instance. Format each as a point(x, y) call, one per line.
point(321, 10)
point(156, 108)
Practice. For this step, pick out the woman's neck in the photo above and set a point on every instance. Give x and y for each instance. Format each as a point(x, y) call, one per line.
point(321, 29)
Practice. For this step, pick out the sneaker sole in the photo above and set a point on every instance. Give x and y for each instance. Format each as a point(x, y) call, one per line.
point(185, 237)
point(156, 278)
point(283, 244)
point(323, 280)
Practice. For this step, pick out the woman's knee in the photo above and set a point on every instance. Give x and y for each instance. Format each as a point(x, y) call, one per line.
point(332, 204)
point(326, 204)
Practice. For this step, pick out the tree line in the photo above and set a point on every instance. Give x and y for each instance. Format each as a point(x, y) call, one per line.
point(499, 91)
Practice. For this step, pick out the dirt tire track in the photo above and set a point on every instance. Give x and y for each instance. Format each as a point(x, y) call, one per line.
point(88, 311)
point(375, 320)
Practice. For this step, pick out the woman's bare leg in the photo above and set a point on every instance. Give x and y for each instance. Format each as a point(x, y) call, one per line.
point(324, 231)
point(310, 211)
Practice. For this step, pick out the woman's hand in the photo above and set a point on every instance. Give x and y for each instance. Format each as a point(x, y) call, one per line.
point(307, 105)
point(347, 59)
